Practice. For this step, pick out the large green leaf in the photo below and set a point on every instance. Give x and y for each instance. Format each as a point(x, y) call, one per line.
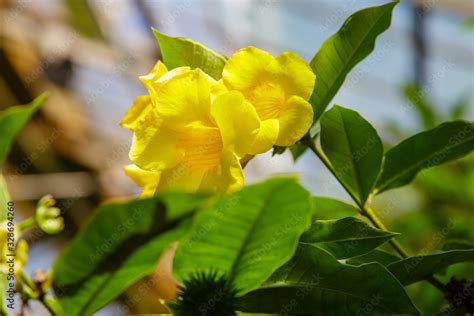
point(12, 121)
point(354, 41)
point(345, 238)
point(446, 142)
point(179, 51)
point(418, 268)
point(121, 244)
point(354, 149)
point(247, 235)
point(329, 208)
point(315, 283)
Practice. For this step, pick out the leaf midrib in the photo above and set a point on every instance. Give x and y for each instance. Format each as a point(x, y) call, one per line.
point(255, 223)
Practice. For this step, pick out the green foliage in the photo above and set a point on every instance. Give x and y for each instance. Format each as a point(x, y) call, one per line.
point(354, 149)
point(315, 283)
point(329, 208)
point(345, 49)
point(419, 268)
point(444, 143)
point(179, 51)
point(12, 120)
point(345, 238)
point(247, 235)
point(383, 257)
point(121, 244)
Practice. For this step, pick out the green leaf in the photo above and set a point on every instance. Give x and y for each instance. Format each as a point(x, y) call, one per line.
point(329, 208)
point(121, 244)
point(12, 121)
point(345, 238)
point(354, 41)
point(383, 257)
point(444, 143)
point(418, 268)
point(315, 283)
point(353, 148)
point(247, 235)
point(179, 51)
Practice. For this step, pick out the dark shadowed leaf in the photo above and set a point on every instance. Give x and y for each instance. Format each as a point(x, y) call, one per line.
point(247, 235)
point(354, 41)
point(444, 143)
point(179, 51)
point(354, 149)
point(345, 238)
point(121, 244)
point(315, 283)
point(418, 268)
point(376, 255)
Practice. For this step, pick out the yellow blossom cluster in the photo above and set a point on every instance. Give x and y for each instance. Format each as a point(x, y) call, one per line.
point(192, 132)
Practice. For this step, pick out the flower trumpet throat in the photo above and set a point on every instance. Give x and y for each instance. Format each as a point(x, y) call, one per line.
point(190, 132)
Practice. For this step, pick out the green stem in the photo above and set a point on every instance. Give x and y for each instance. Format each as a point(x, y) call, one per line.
point(27, 223)
point(365, 210)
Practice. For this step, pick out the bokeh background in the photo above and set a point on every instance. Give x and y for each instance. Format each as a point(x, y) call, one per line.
point(88, 55)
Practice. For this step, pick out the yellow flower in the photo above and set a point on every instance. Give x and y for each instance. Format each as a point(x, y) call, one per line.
point(186, 139)
point(278, 88)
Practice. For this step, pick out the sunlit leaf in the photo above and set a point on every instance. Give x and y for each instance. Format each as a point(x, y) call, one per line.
point(247, 235)
point(354, 41)
point(179, 51)
point(354, 149)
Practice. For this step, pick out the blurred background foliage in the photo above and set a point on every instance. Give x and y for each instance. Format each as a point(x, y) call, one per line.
point(88, 55)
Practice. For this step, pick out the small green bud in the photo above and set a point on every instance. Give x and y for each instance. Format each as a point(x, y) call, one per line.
point(48, 217)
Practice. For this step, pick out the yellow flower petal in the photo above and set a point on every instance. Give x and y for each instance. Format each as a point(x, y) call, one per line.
point(181, 177)
point(244, 69)
point(148, 180)
point(155, 147)
point(185, 98)
point(156, 73)
point(296, 75)
point(140, 108)
point(237, 120)
point(227, 177)
point(202, 145)
point(295, 120)
point(266, 137)
point(218, 89)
